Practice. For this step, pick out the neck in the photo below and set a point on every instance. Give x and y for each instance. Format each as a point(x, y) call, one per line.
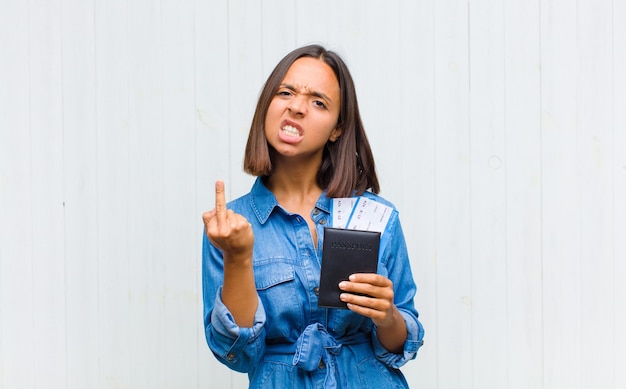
point(290, 183)
point(295, 185)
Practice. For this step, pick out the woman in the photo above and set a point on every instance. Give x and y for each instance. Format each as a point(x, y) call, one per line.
point(262, 253)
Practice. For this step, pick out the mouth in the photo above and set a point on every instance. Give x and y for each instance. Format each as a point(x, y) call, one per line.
point(290, 130)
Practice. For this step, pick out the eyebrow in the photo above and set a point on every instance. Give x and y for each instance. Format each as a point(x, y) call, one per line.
point(312, 93)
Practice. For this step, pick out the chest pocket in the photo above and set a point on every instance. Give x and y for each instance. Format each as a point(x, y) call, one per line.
point(272, 274)
point(282, 297)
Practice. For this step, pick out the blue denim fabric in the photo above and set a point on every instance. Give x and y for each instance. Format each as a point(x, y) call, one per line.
point(293, 343)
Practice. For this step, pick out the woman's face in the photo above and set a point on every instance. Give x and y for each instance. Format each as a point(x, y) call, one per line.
point(303, 114)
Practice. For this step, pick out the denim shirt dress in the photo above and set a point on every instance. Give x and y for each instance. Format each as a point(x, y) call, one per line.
point(294, 343)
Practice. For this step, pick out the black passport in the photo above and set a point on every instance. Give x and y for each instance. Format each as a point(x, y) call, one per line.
point(345, 252)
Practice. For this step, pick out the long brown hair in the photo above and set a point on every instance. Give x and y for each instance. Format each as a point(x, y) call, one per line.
point(347, 164)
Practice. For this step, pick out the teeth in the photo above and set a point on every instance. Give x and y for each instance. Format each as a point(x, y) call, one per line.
point(290, 130)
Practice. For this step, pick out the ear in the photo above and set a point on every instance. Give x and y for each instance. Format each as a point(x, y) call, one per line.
point(335, 134)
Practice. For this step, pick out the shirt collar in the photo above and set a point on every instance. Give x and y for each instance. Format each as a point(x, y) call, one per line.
point(263, 201)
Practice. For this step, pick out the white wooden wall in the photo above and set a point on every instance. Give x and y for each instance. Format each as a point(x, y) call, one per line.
point(499, 128)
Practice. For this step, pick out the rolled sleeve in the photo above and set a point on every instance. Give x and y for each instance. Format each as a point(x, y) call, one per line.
point(397, 267)
point(415, 336)
point(237, 347)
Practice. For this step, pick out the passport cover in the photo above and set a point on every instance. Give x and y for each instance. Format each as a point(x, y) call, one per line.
point(345, 252)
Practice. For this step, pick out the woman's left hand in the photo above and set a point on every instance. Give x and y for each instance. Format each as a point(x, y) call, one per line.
point(377, 303)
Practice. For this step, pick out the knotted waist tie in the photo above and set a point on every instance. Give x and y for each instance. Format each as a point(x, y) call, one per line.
point(315, 344)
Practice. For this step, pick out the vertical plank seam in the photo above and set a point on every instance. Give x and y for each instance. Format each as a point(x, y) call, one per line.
point(195, 186)
point(469, 178)
point(97, 179)
point(579, 180)
point(614, 178)
point(434, 130)
point(506, 192)
point(541, 203)
point(63, 178)
point(30, 192)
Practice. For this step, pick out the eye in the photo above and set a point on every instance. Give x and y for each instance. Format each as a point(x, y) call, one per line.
point(319, 103)
point(284, 92)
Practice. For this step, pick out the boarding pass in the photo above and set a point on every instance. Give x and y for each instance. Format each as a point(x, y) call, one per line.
point(360, 213)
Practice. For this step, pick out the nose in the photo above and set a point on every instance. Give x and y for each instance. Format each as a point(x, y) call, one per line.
point(297, 105)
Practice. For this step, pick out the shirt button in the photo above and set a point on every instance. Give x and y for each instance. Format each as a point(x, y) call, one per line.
point(316, 290)
point(230, 356)
point(316, 211)
point(321, 364)
point(323, 221)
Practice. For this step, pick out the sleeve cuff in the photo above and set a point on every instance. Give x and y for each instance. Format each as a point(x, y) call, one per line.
point(226, 339)
point(415, 336)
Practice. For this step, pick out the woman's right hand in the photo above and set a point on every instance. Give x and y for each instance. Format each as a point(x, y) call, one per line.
point(232, 233)
point(227, 230)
